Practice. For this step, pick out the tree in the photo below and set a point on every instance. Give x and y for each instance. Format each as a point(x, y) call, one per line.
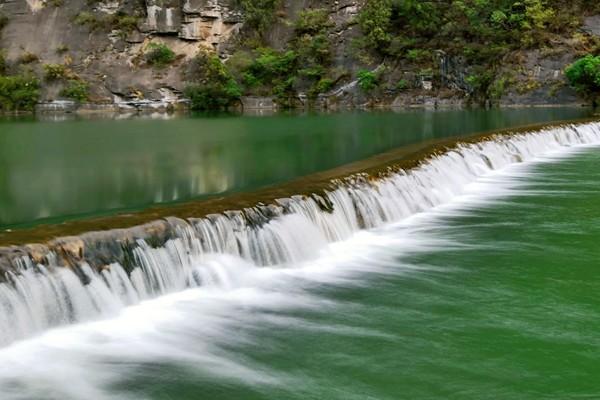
point(584, 75)
point(212, 87)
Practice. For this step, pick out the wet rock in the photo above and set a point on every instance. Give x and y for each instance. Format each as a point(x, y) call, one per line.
point(9, 257)
point(37, 252)
point(69, 250)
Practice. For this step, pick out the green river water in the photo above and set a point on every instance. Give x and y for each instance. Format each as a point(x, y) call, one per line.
point(491, 296)
point(502, 303)
point(54, 171)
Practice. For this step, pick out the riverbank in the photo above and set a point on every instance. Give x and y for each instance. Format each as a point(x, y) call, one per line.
point(264, 106)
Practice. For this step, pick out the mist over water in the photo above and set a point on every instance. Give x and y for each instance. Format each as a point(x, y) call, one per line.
point(413, 287)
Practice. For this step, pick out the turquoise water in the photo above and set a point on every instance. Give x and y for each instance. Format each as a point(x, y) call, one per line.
point(55, 171)
point(492, 296)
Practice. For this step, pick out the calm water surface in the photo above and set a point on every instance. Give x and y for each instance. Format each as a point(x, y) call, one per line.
point(53, 171)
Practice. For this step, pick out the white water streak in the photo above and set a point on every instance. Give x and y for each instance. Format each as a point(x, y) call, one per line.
point(294, 230)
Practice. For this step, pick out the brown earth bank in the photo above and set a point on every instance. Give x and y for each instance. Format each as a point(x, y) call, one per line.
point(101, 241)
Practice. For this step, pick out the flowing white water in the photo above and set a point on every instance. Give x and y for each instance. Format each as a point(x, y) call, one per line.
point(225, 251)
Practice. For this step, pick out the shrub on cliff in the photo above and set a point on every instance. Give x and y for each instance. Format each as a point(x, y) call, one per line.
point(313, 46)
point(159, 55)
point(211, 85)
point(313, 21)
point(584, 75)
point(119, 21)
point(28, 57)
point(367, 80)
point(271, 70)
point(54, 72)
point(18, 92)
point(2, 63)
point(374, 20)
point(321, 86)
point(85, 18)
point(76, 90)
point(212, 96)
point(259, 14)
point(123, 22)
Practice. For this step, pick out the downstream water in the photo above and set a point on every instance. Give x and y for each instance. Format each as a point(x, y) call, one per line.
point(53, 171)
point(478, 279)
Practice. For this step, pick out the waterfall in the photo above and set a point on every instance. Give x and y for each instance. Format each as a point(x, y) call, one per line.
point(216, 250)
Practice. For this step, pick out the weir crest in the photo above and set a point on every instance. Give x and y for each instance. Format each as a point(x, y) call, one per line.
point(98, 274)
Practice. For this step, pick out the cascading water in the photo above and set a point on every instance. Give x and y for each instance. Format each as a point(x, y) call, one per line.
point(38, 297)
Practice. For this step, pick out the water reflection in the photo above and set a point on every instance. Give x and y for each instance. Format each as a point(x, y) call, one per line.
point(54, 171)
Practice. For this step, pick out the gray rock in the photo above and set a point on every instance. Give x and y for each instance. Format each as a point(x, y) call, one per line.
point(164, 16)
point(591, 25)
point(255, 102)
point(135, 37)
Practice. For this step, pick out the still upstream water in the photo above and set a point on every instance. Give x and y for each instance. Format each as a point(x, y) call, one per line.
point(488, 293)
point(53, 171)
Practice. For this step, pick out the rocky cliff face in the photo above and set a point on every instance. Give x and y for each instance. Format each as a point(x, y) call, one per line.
point(104, 42)
point(107, 57)
point(211, 22)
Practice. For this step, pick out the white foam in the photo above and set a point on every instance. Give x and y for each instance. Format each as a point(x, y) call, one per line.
point(229, 291)
point(224, 251)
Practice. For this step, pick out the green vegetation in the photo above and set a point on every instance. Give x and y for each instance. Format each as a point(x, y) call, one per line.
point(367, 80)
point(402, 84)
point(75, 89)
point(480, 80)
point(86, 18)
point(119, 21)
point(123, 22)
point(304, 63)
point(485, 35)
point(481, 32)
point(323, 85)
point(159, 55)
point(28, 58)
point(63, 48)
point(2, 63)
point(313, 47)
point(54, 72)
point(271, 72)
point(259, 14)
point(584, 75)
point(54, 3)
point(375, 21)
point(313, 22)
point(211, 85)
point(20, 92)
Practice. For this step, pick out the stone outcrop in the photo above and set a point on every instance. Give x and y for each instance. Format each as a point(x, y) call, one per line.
point(211, 22)
point(591, 25)
point(111, 60)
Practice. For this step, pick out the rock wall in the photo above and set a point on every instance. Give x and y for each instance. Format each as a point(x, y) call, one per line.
point(212, 22)
point(112, 62)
